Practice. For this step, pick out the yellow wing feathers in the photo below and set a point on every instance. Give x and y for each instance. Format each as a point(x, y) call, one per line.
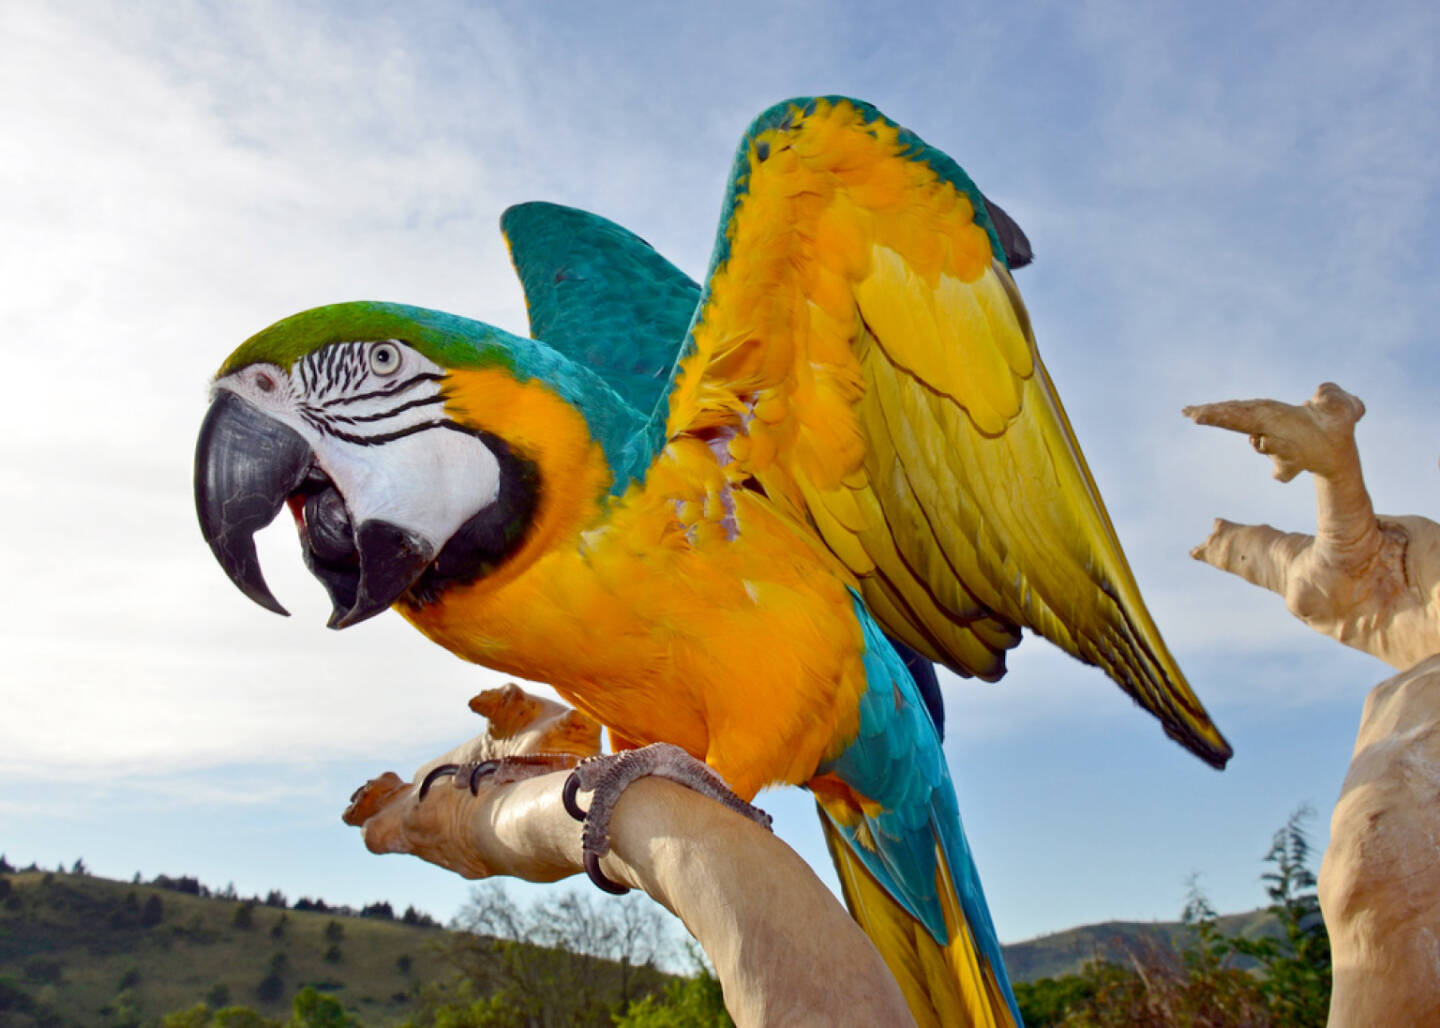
point(871, 364)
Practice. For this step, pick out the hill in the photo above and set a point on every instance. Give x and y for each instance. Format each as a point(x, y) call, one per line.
point(76, 949)
point(83, 950)
point(1062, 953)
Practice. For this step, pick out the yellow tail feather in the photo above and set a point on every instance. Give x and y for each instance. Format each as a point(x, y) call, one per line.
point(944, 986)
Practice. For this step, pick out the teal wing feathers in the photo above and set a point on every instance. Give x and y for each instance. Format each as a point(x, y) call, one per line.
point(602, 296)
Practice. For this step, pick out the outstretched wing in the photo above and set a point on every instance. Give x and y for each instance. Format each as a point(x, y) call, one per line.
point(863, 348)
point(602, 296)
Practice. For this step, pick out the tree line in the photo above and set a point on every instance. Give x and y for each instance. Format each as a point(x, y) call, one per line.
point(192, 886)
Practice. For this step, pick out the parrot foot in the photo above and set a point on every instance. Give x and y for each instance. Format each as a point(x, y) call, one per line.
point(503, 770)
point(607, 777)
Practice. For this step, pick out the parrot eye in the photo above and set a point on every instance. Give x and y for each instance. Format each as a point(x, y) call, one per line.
point(385, 358)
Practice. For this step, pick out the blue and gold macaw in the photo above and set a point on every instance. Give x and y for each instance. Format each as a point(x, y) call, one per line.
point(723, 518)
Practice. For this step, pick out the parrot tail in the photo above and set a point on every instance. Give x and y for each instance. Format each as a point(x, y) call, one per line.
point(892, 823)
point(944, 984)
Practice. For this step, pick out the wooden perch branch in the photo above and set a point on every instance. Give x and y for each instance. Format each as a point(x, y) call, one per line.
point(785, 951)
point(1371, 582)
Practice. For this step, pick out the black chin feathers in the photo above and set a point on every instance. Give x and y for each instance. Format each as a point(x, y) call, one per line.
point(489, 538)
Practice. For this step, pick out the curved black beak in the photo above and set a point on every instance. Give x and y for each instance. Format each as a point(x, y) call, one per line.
point(246, 465)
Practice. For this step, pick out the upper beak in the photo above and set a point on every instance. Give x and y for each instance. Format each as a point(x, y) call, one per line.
point(246, 465)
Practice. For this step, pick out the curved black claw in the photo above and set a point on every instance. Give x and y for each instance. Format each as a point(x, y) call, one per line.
point(443, 769)
point(567, 796)
point(479, 771)
point(602, 882)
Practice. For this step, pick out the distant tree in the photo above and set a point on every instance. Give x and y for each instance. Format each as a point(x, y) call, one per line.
point(381, 910)
point(79, 868)
point(333, 955)
point(5, 867)
point(242, 1017)
point(185, 883)
point(124, 1010)
point(309, 1009)
point(244, 916)
point(271, 988)
point(5, 888)
point(1296, 969)
point(695, 1002)
point(219, 995)
point(136, 879)
point(416, 917)
point(281, 925)
point(313, 1009)
point(279, 962)
point(567, 959)
point(227, 893)
point(403, 963)
point(275, 898)
point(317, 905)
point(197, 1016)
point(1046, 1000)
point(334, 931)
point(126, 913)
point(153, 912)
point(130, 978)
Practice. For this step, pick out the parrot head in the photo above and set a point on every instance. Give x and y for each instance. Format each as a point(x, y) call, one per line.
point(343, 414)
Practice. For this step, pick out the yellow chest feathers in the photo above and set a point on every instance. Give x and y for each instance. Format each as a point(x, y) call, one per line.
point(686, 610)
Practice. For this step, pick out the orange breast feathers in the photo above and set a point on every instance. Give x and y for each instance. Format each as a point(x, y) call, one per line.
point(687, 610)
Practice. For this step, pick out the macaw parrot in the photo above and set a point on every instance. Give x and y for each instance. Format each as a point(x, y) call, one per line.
point(731, 519)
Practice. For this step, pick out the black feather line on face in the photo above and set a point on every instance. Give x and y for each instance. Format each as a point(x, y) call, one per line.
point(358, 419)
point(489, 538)
point(399, 387)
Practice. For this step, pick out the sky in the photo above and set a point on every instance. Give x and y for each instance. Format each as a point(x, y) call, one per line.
point(1225, 200)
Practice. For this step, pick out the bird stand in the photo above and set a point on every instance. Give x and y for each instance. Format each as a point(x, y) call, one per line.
point(494, 806)
point(1372, 583)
